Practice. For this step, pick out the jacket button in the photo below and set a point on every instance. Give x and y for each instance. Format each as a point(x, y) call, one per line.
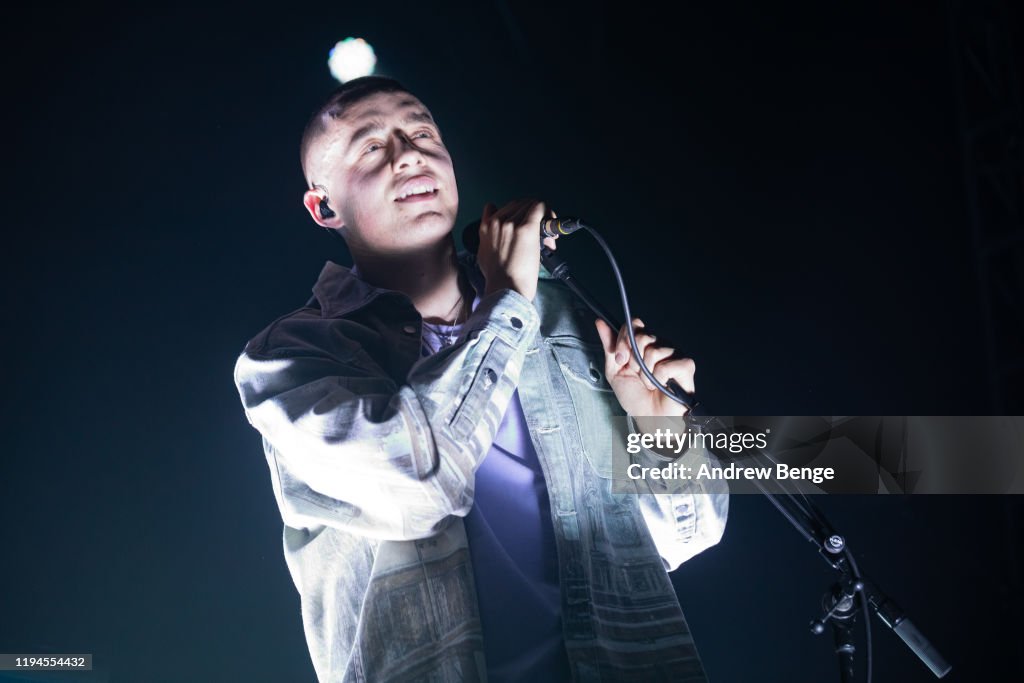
point(517, 323)
point(409, 329)
point(489, 377)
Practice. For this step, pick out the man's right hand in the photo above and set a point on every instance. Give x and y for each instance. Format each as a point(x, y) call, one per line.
point(509, 253)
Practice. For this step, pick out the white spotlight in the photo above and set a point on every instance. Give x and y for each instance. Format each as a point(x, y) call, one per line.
point(351, 58)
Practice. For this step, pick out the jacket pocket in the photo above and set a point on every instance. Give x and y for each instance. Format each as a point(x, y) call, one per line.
point(488, 379)
point(594, 405)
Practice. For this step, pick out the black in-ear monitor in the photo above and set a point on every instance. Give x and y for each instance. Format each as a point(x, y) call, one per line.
point(325, 210)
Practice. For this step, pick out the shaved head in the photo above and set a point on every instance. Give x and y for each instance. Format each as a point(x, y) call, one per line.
point(334, 108)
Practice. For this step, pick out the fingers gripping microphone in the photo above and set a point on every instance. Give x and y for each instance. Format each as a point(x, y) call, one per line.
point(549, 227)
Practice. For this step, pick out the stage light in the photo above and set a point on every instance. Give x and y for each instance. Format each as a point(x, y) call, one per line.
point(351, 58)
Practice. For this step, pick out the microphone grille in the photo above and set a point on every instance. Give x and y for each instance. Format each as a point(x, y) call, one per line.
point(471, 237)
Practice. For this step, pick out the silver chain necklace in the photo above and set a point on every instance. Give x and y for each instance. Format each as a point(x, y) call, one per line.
point(447, 337)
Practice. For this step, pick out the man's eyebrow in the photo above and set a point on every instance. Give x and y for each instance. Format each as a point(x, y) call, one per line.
point(376, 124)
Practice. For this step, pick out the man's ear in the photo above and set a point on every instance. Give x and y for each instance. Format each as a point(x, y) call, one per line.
point(312, 200)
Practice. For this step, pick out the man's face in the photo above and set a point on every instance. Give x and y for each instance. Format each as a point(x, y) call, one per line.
point(375, 163)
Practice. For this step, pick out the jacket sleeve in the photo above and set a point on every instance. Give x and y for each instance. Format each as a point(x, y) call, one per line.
point(684, 524)
point(688, 517)
point(354, 451)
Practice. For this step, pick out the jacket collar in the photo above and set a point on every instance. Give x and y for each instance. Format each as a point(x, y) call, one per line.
point(340, 291)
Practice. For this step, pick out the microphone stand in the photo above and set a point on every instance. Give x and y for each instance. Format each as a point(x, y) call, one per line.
point(558, 268)
point(841, 599)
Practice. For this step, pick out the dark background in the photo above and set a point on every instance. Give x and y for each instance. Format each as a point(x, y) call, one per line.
point(783, 187)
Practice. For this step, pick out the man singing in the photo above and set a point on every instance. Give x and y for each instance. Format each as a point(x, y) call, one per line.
point(439, 430)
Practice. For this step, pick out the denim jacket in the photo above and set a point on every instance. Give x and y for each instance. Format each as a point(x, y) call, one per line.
point(372, 453)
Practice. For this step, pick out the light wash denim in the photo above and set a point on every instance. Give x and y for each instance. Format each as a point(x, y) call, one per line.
point(372, 453)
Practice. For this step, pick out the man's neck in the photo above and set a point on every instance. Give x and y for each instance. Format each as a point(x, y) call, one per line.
point(429, 278)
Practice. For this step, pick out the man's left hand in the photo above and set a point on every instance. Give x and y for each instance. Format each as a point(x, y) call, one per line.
point(634, 391)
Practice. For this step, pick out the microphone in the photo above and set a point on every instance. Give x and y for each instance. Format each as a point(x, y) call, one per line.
point(556, 227)
point(549, 227)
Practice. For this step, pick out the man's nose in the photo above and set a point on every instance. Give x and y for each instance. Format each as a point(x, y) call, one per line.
point(406, 151)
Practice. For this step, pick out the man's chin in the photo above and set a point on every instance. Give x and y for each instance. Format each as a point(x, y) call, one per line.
point(432, 221)
point(426, 231)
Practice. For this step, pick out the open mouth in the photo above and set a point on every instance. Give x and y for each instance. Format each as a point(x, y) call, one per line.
point(418, 197)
